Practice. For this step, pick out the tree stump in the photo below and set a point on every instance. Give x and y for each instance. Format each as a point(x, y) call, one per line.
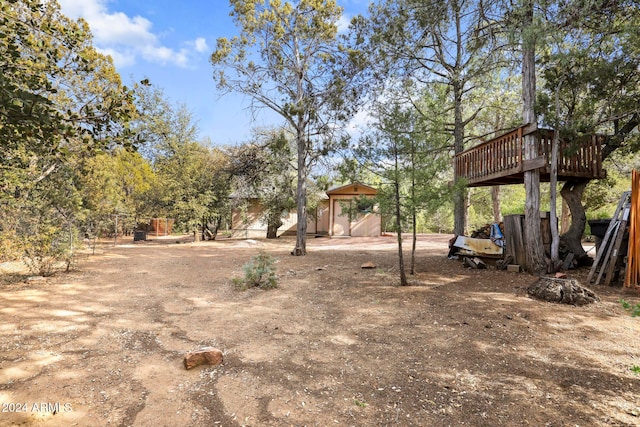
point(565, 291)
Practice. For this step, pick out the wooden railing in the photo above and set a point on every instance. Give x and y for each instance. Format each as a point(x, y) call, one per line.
point(501, 160)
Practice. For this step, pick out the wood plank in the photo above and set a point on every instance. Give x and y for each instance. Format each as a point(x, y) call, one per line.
point(531, 164)
point(607, 254)
point(613, 261)
point(529, 129)
point(606, 246)
point(632, 273)
point(514, 239)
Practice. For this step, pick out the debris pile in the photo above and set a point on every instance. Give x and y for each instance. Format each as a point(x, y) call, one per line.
point(484, 232)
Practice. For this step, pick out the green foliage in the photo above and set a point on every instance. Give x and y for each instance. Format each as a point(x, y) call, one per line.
point(407, 154)
point(9, 246)
point(61, 104)
point(592, 65)
point(47, 248)
point(287, 59)
point(188, 179)
point(258, 273)
point(117, 181)
point(263, 171)
point(360, 403)
point(602, 196)
point(634, 310)
point(635, 369)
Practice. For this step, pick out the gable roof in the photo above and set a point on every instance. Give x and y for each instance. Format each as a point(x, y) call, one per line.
point(355, 188)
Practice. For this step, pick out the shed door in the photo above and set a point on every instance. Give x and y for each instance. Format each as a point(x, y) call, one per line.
point(341, 225)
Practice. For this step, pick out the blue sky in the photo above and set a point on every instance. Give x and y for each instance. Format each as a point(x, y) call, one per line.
point(170, 42)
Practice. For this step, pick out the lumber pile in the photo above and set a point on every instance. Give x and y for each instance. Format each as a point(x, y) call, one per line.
point(608, 260)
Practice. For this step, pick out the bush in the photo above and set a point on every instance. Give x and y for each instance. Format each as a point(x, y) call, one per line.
point(9, 247)
point(258, 273)
point(47, 249)
point(634, 310)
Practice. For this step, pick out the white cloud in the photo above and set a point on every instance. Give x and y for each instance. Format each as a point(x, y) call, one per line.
point(128, 38)
point(120, 58)
point(359, 123)
point(201, 45)
point(343, 23)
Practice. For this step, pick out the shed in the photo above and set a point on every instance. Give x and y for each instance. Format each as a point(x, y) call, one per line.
point(246, 222)
point(352, 211)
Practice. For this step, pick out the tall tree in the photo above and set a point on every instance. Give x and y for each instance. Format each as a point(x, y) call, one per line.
point(449, 43)
point(192, 186)
point(536, 260)
point(591, 63)
point(192, 181)
point(55, 88)
point(114, 182)
point(61, 102)
point(284, 60)
point(406, 149)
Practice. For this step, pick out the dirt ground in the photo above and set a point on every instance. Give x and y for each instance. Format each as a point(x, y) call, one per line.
point(333, 345)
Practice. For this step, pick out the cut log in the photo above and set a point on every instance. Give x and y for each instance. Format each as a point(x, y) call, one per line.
point(565, 291)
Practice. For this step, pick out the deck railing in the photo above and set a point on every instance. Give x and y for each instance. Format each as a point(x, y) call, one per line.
point(503, 157)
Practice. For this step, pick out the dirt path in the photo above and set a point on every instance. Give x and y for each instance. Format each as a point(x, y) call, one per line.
point(333, 345)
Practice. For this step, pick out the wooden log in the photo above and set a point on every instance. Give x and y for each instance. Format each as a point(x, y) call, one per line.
point(565, 291)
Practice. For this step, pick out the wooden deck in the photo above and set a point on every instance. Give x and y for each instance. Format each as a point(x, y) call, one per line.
point(500, 161)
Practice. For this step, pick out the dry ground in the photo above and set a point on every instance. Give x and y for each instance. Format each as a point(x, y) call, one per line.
point(334, 345)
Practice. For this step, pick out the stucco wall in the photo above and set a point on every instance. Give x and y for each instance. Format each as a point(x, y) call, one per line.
point(247, 224)
point(363, 225)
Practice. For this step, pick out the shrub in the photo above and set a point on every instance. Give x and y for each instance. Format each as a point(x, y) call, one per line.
point(45, 250)
point(258, 273)
point(634, 310)
point(9, 247)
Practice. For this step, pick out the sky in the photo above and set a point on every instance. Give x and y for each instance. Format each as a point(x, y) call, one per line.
point(170, 42)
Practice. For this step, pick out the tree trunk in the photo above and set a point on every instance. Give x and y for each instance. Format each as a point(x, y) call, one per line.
point(459, 197)
point(302, 144)
point(414, 216)
point(572, 239)
point(565, 217)
point(495, 202)
point(272, 231)
point(301, 194)
point(403, 274)
point(553, 197)
point(414, 242)
point(565, 291)
point(536, 260)
point(274, 222)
